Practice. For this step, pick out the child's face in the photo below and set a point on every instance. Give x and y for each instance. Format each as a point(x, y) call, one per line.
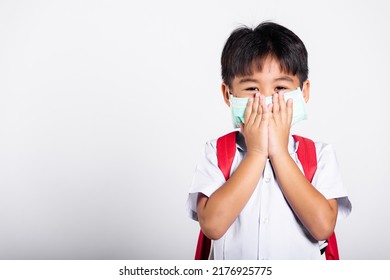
point(268, 81)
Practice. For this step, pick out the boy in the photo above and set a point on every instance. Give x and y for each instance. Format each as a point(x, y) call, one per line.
point(267, 209)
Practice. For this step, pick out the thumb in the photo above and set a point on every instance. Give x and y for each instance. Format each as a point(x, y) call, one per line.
point(241, 125)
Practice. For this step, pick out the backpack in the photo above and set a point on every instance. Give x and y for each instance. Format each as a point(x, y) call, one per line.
point(226, 149)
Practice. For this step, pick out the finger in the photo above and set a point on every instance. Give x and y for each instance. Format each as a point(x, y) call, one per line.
point(282, 105)
point(255, 107)
point(270, 112)
point(241, 127)
point(265, 112)
point(282, 102)
point(260, 111)
point(275, 107)
point(248, 110)
point(289, 110)
point(275, 102)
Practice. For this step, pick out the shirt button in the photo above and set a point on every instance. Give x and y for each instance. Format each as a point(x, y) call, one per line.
point(267, 180)
point(265, 221)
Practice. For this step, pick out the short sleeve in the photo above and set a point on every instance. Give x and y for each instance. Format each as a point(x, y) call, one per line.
point(207, 178)
point(327, 178)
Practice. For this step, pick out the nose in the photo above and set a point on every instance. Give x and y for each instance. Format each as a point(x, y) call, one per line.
point(267, 92)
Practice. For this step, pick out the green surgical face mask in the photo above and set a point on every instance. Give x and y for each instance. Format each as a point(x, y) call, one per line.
point(238, 106)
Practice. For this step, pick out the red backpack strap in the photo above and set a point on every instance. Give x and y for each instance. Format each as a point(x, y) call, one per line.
point(308, 158)
point(332, 250)
point(203, 247)
point(226, 150)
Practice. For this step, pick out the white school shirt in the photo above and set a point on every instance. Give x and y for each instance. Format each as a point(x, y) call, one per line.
point(267, 228)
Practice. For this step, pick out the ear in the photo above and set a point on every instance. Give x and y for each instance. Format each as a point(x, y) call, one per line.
point(306, 90)
point(225, 93)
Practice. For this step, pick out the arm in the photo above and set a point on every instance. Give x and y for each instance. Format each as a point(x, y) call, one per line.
point(217, 212)
point(316, 213)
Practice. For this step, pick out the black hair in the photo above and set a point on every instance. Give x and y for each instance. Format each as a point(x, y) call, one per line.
point(246, 49)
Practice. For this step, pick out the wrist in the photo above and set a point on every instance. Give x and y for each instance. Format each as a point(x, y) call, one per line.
point(281, 155)
point(256, 155)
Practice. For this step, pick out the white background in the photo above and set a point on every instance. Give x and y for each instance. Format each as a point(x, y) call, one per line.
point(106, 105)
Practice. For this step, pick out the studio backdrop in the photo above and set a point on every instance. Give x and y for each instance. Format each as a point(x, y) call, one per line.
point(105, 107)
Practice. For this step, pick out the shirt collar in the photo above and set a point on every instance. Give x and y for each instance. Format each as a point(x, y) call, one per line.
point(292, 146)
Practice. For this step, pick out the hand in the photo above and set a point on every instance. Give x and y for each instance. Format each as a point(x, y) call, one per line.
point(255, 129)
point(279, 125)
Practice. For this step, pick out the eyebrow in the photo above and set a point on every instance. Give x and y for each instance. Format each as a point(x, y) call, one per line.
point(284, 78)
point(245, 80)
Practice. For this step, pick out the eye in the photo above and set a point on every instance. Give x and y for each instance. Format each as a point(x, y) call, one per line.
point(280, 89)
point(252, 89)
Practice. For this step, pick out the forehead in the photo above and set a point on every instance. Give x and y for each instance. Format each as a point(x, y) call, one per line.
point(269, 70)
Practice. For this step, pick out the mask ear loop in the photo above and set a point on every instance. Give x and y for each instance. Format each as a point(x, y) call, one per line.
point(230, 96)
